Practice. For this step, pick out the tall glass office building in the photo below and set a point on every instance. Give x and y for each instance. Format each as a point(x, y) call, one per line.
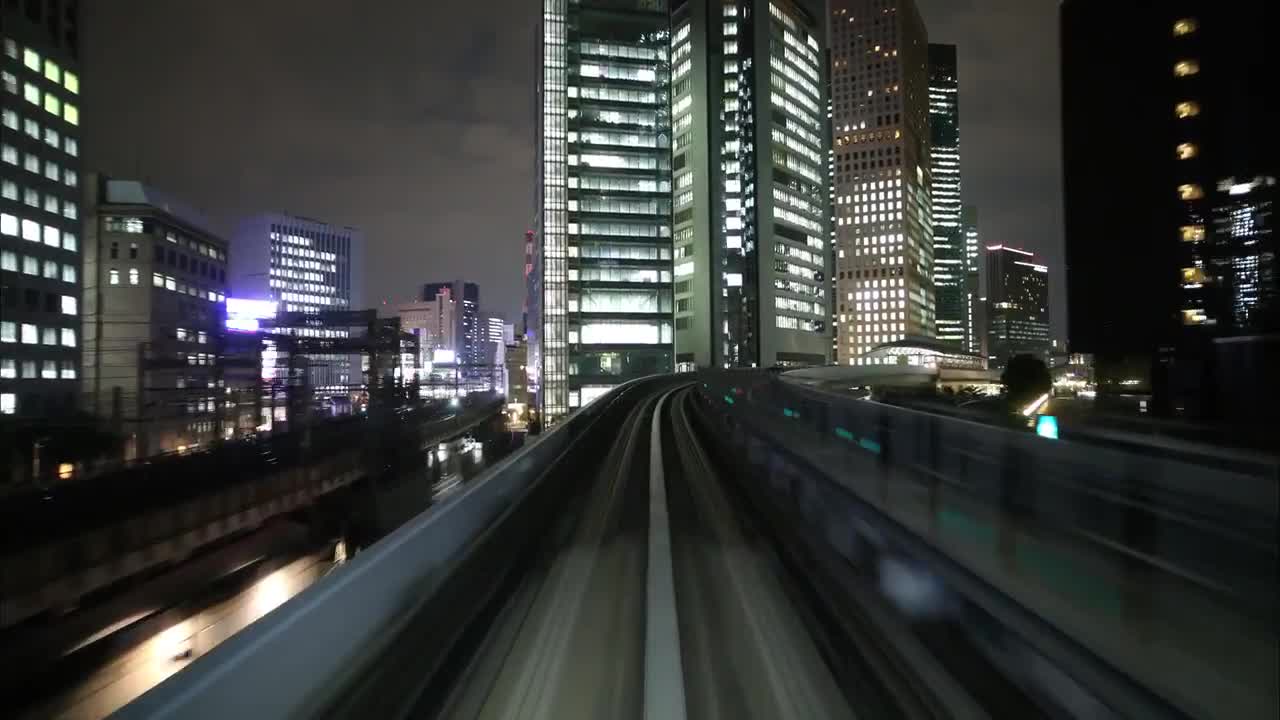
point(752, 205)
point(974, 312)
point(949, 251)
point(600, 283)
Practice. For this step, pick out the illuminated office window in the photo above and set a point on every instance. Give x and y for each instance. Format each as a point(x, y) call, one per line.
point(1185, 26)
point(1186, 151)
point(1192, 233)
point(1187, 109)
point(1186, 68)
point(1190, 192)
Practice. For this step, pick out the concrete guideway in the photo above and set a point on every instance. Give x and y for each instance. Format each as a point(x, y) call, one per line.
point(657, 606)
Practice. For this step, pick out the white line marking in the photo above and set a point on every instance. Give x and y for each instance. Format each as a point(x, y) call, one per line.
point(663, 671)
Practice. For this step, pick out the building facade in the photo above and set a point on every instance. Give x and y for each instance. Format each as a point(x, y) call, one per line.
point(1017, 306)
point(494, 345)
point(40, 209)
point(1244, 222)
point(154, 318)
point(432, 322)
point(752, 203)
point(439, 318)
point(882, 175)
point(468, 330)
point(949, 245)
point(517, 385)
point(600, 308)
point(307, 266)
point(973, 294)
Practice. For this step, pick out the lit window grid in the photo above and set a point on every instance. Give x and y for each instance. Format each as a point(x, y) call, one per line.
point(555, 271)
point(50, 119)
point(303, 277)
point(859, 117)
point(794, 145)
point(595, 211)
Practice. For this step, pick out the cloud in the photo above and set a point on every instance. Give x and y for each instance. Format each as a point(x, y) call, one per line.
point(410, 120)
point(415, 121)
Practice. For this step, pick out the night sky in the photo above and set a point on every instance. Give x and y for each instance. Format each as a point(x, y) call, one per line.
point(414, 121)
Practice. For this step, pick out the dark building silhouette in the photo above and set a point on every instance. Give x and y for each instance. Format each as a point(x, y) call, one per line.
point(1017, 306)
point(1169, 158)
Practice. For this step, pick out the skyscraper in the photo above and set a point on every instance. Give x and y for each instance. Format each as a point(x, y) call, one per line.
point(881, 166)
point(307, 266)
point(949, 249)
point(751, 198)
point(1017, 305)
point(601, 305)
point(40, 290)
point(973, 330)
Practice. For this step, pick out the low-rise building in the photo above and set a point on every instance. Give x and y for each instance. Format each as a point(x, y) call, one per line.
point(154, 313)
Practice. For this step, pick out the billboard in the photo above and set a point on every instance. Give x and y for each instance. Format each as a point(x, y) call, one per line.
point(243, 314)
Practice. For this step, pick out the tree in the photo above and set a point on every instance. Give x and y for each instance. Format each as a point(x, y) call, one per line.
point(1025, 378)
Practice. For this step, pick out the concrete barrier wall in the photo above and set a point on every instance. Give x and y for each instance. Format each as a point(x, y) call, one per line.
point(1108, 565)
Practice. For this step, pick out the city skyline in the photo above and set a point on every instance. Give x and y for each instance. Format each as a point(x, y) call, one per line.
point(435, 156)
point(586, 358)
